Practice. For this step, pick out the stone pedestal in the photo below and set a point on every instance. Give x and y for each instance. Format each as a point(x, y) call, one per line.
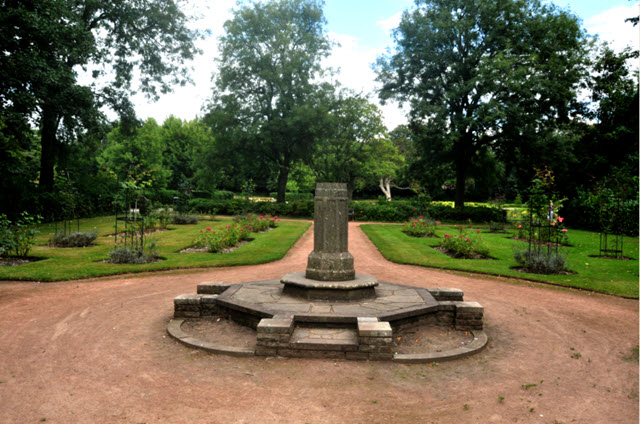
point(330, 259)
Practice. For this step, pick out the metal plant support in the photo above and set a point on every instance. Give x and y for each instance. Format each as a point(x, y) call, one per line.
point(542, 234)
point(130, 214)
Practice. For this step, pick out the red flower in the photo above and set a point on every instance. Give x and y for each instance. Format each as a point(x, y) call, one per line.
point(564, 230)
point(477, 231)
point(519, 226)
point(460, 235)
point(420, 216)
point(447, 236)
point(467, 239)
point(208, 228)
point(560, 219)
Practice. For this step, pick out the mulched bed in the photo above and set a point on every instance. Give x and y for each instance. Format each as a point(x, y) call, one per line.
point(452, 255)
point(430, 338)
point(220, 331)
point(17, 261)
point(206, 250)
point(620, 258)
point(524, 270)
point(424, 236)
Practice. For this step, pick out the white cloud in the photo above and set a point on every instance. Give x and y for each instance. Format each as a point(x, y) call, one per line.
point(186, 102)
point(612, 28)
point(354, 61)
point(390, 23)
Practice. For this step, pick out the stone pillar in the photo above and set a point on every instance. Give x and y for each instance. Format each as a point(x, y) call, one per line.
point(330, 259)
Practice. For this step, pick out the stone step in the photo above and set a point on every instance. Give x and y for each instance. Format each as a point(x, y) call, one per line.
point(324, 339)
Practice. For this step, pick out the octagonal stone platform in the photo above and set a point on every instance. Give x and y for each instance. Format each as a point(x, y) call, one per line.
point(256, 300)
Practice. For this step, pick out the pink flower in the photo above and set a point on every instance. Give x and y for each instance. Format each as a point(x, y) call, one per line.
point(519, 226)
point(228, 227)
point(420, 216)
point(553, 224)
point(564, 230)
point(404, 225)
point(208, 228)
point(460, 236)
point(201, 230)
point(560, 219)
point(275, 217)
point(467, 239)
point(241, 229)
point(447, 236)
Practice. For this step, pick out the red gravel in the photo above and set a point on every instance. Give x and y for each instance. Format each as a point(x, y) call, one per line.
point(96, 351)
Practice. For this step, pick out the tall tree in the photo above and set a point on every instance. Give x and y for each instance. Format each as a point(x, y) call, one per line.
point(477, 73)
point(267, 103)
point(45, 43)
point(353, 122)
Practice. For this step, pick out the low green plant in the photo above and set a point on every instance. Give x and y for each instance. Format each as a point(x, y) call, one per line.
point(496, 227)
point(539, 261)
point(126, 255)
point(464, 245)
point(17, 238)
point(421, 227)
point(77, 239)
point(182, 219)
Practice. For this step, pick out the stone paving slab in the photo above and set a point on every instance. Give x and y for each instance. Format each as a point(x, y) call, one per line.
point(267, 297)
point(325, 339)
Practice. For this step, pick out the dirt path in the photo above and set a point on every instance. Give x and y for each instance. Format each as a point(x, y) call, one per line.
point(96, 351)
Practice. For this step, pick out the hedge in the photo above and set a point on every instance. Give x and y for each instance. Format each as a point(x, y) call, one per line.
point(396, 211)
point(289, 197)
point(582, 214)
point(403, 210)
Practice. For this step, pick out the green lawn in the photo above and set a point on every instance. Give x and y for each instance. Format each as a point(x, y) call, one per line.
point(74, 263)
point(594, 274)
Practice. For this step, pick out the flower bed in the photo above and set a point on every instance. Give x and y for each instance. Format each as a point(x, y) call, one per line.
point(464, 245)
point(216, 241)
point(420, 227)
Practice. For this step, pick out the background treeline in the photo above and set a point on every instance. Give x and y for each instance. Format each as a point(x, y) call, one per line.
point(278, 122)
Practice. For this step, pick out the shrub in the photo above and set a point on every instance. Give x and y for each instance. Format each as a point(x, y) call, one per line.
point(540, 261)
point(496, 227)
point(77, 239)
point(181, 219)
point(222, 195)
point(17, 238)
point(126, 255)
point(464, 245)
point(290, 197)
point(403, 210)
point(421, 227)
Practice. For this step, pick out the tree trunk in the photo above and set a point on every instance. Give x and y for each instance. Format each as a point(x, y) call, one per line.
point(48, 144)
point(463, 160)
point(283, 176)
point(385, 186)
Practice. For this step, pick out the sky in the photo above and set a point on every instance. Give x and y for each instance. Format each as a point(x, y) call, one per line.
point(363, 29)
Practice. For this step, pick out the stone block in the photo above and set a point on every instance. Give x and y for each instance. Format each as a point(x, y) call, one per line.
point(358, 356)
point(367, 319)
point(326, 354)
point(187, 299)
point(266, 351)
point(186, 314)
point(380, 356)
point(375, 341)
point(374, 348)
point(212, 288)
point(469, 308)
point(276, 325)
point(446, 294)
point(374, 329)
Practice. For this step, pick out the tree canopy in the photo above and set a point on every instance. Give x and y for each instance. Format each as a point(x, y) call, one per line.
point(268, 103)
point(478, 73)
point(46, 43)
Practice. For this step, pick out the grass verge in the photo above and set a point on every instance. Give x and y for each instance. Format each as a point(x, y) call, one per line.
point(73, 263)
point(608, 276)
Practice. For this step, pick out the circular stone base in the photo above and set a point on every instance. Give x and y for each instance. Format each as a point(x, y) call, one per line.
point(361, 287)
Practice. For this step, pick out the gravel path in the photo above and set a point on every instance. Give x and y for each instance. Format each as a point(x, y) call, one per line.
point(96, 351)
